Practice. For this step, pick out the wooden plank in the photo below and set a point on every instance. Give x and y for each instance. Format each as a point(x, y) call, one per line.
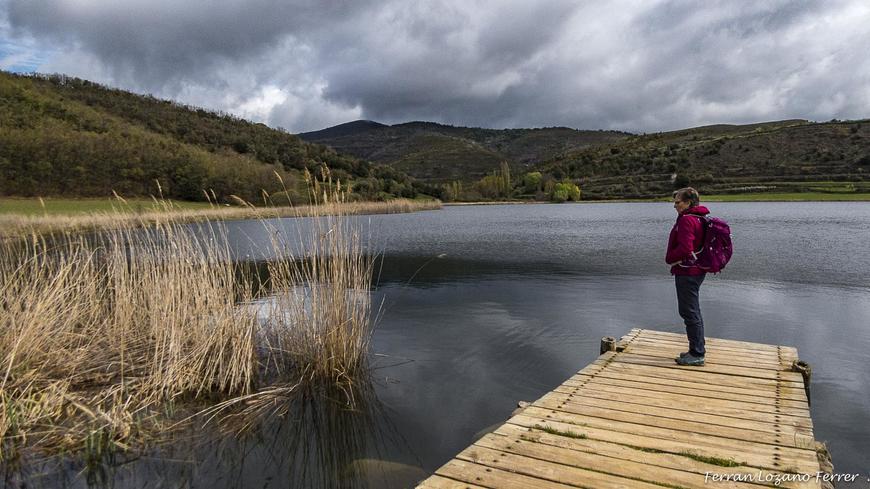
point(683, 345)
point(547, 470)
point(627, 339)
point(793, 377)
point(666, 404)
point(664, 445)
point(788, 425)
point(754, 348)
point(702, 375)
point(472, 473)
point(791, 454)
point(741, 358)
point(682, 342)
point(523, 446)
point(648, 333)
point(680, 334)
point(655, 389)
point(756, 454)
point(772, 437)
point(653, 459)
point(700, 417)
point(763, 394)
point(690, 402)
point(714, 357)
point(668, 362)
point(722, 343)
point(622, 468)
point(611, 374)
point(439, 482)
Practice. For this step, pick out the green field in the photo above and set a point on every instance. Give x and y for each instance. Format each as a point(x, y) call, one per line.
point(23, 206)
point(761, 197)
point(788, 197)
point(9, 205)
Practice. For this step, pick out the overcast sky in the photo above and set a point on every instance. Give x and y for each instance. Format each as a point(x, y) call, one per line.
point(640, 66)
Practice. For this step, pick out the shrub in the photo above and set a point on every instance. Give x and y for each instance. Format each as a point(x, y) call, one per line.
point(532, 181)
point(681, 181)
point(565, 191)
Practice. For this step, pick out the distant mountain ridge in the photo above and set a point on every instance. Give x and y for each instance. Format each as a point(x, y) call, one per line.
point(789, 155)
point(346, 129)
point(439, 153)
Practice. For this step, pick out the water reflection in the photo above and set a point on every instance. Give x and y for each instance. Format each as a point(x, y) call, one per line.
point(487, 306)
point(317, 438)
point(320, 438)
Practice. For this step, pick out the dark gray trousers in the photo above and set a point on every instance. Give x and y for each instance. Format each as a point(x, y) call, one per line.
point(690, 311)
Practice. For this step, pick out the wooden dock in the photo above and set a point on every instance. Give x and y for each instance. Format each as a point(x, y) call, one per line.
point(634, 418)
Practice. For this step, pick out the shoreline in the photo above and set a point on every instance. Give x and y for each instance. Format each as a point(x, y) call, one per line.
point(13, 225)
point(791, 197)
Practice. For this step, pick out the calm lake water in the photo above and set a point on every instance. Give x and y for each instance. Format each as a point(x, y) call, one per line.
point(484, 306)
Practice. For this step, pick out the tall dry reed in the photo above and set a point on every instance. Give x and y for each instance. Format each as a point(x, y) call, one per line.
point(108, 340)
point(97, 334)
point(320, 321)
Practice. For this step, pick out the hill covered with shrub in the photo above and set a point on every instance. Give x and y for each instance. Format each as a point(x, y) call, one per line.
point(439, 153)
point(63, 136)
point(783, 156)
point(474, 164)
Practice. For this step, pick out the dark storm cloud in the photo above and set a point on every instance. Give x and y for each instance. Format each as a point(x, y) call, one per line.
point(156, 41)
point(635, 65)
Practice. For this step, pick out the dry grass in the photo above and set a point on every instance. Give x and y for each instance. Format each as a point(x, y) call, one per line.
point(96, 337)
point(106, 342)
point(17, 225)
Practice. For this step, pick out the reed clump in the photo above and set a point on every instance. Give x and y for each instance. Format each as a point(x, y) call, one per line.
point(108, 341)
point(97, 334)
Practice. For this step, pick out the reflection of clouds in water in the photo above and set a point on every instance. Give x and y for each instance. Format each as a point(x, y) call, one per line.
point(480, 344)
point(492, 323)
point(774, 242)
point(323, 443)
point(280, 308)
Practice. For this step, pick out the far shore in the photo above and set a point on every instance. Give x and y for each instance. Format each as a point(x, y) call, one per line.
point(760, 197)
point(123, 214)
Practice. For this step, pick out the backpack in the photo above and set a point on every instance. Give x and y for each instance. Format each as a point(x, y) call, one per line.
point(716, 250)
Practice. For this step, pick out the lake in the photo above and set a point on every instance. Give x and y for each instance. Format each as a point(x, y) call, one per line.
point(484, 306)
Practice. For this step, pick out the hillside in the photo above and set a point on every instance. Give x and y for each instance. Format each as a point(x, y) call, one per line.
point(440, 153)
point(66, 137)
point(62, 136)
point(783, 156)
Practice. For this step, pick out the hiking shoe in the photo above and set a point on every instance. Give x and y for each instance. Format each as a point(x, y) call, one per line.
point(684, 354)
point(690, 361)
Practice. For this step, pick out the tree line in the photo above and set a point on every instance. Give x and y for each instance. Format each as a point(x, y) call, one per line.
point(500, 185)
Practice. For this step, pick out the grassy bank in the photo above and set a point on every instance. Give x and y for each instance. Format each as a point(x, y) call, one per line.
point(125, 213)
point(35, 206)
point(790, 197)
point(110, 343)
point(748, 197)
point(771, 197)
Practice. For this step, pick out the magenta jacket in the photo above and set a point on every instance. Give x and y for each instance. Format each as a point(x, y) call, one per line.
point(687, 235)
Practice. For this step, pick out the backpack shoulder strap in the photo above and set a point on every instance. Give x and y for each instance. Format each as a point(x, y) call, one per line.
point(704, 222)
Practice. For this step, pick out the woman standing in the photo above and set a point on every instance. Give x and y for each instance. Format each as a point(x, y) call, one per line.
point(687, 236)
